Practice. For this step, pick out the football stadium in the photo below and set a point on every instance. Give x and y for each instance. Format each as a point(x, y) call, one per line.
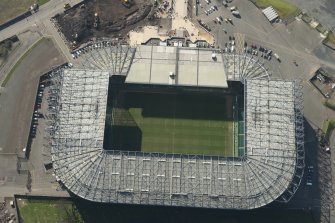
point(176, 126)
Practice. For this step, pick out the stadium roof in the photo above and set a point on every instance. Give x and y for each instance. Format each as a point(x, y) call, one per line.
point(273, 140)
point(84, 105)
point(190, 67)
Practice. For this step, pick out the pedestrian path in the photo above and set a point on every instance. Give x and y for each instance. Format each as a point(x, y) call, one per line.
point(239, 42)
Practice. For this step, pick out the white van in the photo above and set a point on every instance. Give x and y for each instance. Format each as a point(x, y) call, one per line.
point(236, 12)
point(277, 57)
point(232, 49)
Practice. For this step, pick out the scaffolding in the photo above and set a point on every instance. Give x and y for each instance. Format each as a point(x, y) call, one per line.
point(269, 170)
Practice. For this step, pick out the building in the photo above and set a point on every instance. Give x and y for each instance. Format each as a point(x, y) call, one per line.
point(272, 137)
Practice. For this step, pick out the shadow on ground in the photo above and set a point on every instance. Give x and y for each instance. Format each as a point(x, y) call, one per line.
point(93, 212)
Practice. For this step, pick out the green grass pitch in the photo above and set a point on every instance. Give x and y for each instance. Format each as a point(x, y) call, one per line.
point(175, 123)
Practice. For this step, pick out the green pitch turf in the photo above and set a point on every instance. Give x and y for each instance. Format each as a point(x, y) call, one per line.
point(175, 123)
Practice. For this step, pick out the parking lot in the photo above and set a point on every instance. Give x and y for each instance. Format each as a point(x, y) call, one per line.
point(17, 102)
point(297, 59)
point(300, 54)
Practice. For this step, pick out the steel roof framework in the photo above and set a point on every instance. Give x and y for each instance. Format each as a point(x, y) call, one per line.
point(273, 140)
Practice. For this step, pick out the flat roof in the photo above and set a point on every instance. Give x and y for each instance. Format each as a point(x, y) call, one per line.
point(191, 67)
point(270, 13)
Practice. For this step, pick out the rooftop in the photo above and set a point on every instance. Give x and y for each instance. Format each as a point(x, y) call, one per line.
point(167, 65)
point(273, 136)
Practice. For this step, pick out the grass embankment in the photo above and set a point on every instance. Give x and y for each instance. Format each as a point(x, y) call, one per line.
point(284, 9)
point(7, 46)
point(321, 29)
point(33, 210)
point(41, 2)
point(9, 9)
point(51, 211)
point(306, 18)
point(328, 127)
point(330, 38)
point(9, 75)
point(330, 104)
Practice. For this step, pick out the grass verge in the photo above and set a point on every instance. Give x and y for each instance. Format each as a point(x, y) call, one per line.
point(9, 75)
point(306, 18)
point(8, 51)
point(330, 38)
point(321, 28)
point(328, 127)
point(51, 211)
point(284, 9)
point(107, 213)
point(330, 104)
point(41, 2)
point(10, 9)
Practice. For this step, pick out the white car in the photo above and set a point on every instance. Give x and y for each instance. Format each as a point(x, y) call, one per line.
point(233, 8)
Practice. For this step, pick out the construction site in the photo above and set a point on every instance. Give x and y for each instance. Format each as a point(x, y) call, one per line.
point(133, 21)
point(101, 18)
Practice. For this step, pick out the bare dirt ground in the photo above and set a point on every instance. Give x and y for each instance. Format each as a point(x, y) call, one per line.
point(177, 16)
point(101, 18)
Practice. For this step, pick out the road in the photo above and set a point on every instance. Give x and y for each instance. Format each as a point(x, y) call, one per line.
point(16, 108)
point(41, 22)
point(45, 12)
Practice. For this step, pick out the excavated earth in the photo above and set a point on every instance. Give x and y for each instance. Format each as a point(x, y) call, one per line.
point(103, 18)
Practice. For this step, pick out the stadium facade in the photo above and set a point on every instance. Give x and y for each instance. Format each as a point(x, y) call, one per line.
point(270, 169)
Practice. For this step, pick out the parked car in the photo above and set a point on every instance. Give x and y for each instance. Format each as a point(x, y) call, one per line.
point(277, 57)
point(310, 171)
point(233, 8)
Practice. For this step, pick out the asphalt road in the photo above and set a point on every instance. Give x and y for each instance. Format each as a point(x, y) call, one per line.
point(39, 22)
point(16, 109)
point(17, 98)
point(45, 12)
